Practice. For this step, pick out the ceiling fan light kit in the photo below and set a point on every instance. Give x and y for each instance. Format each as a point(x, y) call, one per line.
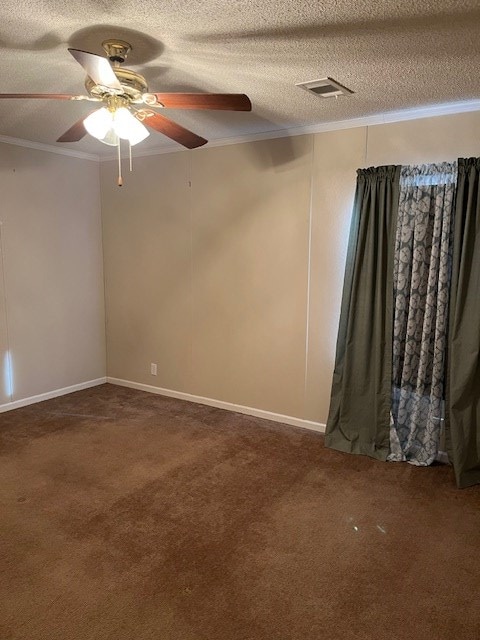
point(117, 120)
point(124, 95)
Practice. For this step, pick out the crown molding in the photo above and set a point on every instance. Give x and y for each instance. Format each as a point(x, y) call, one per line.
point(366, 121)
point(451, 108)
point(40, 146)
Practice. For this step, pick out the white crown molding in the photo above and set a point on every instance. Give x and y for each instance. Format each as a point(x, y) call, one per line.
point(17, 404)
point(40, 146)
point(154, 151)
point(220, 404)
point(366, 121)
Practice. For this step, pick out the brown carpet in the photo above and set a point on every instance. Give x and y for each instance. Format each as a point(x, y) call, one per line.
point(127, 515)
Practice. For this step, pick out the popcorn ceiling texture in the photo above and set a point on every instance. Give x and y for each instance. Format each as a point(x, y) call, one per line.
point(392, 55)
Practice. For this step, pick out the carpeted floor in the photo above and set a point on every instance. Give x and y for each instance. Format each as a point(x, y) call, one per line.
point(126, 515)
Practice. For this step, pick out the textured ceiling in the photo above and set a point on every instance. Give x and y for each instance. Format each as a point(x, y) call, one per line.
point(393, 55)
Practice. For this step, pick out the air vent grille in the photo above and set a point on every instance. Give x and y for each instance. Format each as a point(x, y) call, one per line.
point(325, 88)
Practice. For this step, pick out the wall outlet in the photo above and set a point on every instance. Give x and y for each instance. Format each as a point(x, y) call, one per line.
point(153, 368)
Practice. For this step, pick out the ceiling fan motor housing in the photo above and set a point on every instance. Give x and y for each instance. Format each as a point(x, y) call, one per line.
point(133, 84)
point(116, 50)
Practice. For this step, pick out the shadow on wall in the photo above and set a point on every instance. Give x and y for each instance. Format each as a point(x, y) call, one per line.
point(278, 155)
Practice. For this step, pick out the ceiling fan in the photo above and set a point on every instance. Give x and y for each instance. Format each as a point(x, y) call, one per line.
point(128, 105)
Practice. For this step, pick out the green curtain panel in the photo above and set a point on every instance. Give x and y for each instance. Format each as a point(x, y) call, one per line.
point(359, 416)
point(463, 377)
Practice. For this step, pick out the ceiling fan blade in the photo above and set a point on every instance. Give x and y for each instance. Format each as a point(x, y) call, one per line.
point(45, 96)
point(97, 67)
point(75, 133)
point(170, 129)
point(224, 101)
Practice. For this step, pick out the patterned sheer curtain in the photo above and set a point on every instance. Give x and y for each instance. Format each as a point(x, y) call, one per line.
point(421, 279)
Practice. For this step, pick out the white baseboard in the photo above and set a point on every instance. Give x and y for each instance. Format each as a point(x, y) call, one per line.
point(16, 404)
point(180, 395)
point(220, 404)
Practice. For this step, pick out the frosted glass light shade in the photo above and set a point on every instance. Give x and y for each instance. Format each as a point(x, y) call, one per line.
point(108, 126)
point(128, 127)
point(98, 123)
point(110, 138)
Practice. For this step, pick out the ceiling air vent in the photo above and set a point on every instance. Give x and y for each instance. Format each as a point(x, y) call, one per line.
point(325, 88)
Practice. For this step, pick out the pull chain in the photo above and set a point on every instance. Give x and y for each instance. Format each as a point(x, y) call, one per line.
point(130, 154)
point(120, 179)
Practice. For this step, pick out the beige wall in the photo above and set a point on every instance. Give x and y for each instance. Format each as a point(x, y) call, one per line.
point(337, 156)
point(206, 260)
point(5, 382)
point(51, 272)
point(225, 265)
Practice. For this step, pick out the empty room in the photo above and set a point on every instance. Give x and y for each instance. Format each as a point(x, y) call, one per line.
point(239, 320)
